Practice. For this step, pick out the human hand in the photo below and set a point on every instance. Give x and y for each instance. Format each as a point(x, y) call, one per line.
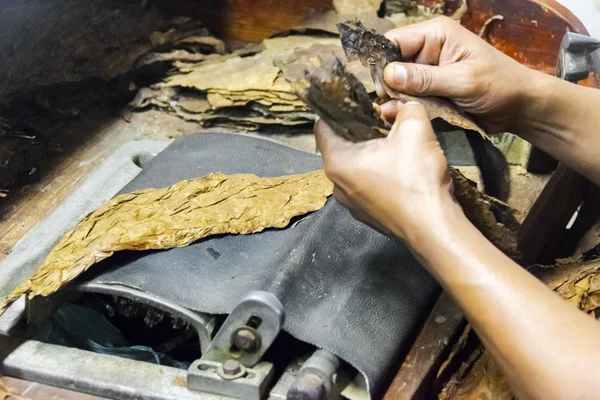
point(445, 59)
point(399, 184)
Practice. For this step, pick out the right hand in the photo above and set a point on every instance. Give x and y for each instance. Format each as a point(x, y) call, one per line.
point(445, 59)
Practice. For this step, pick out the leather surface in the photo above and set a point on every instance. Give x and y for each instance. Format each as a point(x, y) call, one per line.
point(344, 286)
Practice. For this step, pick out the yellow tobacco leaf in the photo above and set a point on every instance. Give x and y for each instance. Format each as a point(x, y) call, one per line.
point(7, 393)
point(176, 216)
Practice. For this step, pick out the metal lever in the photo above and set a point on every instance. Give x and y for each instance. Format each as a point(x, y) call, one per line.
point(249, 330)
point(231, 365)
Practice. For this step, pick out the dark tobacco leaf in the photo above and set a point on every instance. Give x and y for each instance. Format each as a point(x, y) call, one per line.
point(375, 51)
point(342, 101)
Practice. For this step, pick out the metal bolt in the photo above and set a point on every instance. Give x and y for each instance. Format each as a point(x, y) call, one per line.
point(231, 369)
point(440, 319)
point(246, 339)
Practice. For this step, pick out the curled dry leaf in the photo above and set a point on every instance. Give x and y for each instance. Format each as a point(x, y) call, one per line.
point(375, 51)
point(342, 101)
point(176, 216)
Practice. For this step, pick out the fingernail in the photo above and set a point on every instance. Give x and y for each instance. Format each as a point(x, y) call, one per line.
point(397, 73)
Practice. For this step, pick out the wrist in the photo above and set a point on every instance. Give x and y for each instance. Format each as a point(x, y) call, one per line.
point(436, 223)
point(533, 103)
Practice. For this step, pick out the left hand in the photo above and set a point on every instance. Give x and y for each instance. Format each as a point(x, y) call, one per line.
point(399, 184)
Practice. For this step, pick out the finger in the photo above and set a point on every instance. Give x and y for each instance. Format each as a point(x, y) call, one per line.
point(388, 110)
point(410, 39)
point(432, 48)
point(380, 91)
point(424, 80)
point(412, 121)
point(327, 140)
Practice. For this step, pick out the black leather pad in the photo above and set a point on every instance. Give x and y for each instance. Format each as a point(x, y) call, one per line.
point(344, 287)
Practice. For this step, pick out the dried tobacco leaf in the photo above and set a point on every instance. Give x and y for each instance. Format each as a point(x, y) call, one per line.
point(576, 281)
point(342, 101)
point(7, 393)
point(176, 216)
point(375, 51)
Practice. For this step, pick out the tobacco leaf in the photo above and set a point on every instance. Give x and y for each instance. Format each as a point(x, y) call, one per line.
point(375, 51)
point(575, 280)
point(176, 216)
point(342, 101)
point(7, 393)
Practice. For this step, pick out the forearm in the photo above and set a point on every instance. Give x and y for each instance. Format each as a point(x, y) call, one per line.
point(546, 348)
point(563, 119)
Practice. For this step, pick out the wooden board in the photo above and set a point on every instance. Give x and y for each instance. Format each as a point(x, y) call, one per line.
point(85, 144)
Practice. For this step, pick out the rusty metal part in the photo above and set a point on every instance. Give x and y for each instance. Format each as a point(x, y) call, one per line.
point(246, 339)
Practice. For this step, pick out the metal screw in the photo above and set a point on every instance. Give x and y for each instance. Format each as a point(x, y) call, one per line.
point(246, 339)
point(231, 369)
point(440, 319)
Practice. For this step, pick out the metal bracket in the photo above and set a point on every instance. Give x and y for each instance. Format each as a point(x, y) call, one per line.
point(205, 376)
point(249, 330)
point(230, 366)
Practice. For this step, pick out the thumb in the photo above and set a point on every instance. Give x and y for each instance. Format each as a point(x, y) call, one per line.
point(422, 80)
point(412, 125)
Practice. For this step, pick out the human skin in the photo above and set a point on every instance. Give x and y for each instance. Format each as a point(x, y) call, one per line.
point(400, 185)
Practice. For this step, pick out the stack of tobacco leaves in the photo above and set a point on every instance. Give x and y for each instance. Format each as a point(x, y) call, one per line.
point(255, 88)
point(243, 91)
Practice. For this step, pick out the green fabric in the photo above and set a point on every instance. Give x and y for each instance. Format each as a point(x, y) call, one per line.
point(83, 328)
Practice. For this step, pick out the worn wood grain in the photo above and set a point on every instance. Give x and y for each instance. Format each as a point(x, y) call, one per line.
point(247, 20)
point(85, 144)
point(434, 343)
point(530, 32)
